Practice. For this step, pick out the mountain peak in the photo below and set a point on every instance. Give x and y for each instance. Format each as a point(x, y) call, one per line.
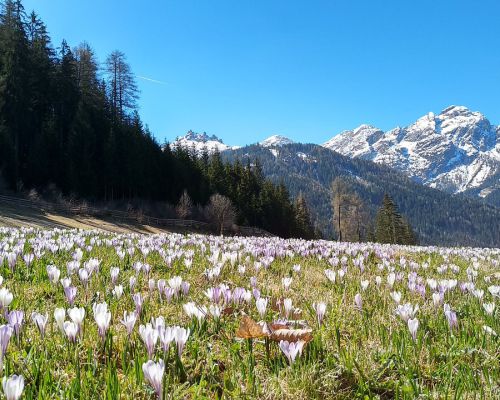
point(456, 150)
point(364, 127)
point(276, 141)
point(201, 142)
point(461, 113)
point(453, 110)
point(200, 137)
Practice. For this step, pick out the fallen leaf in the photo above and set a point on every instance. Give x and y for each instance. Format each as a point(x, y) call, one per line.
point(292, 335)
point(249, 329)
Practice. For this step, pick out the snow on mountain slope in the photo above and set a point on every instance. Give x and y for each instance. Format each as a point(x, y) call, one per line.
point(200, 142)
point(276, 141)
point(456, 151)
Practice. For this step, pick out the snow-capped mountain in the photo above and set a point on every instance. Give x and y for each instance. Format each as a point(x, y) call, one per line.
point(200, 142)
point(457, 150)
point(276, 141)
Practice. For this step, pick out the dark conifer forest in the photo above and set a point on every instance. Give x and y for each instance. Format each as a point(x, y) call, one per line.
point(71, 121)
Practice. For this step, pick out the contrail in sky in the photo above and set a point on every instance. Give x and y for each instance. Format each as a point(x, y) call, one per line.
point(151, 80)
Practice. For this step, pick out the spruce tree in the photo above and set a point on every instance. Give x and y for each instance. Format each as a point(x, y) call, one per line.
point(303, 218)
point(391, 226)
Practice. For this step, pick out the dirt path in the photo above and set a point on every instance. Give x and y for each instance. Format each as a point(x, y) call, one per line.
point(20, 215)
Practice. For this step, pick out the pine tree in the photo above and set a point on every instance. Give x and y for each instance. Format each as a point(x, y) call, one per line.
point(391, 227)
point(303, 218)
point(385, 227)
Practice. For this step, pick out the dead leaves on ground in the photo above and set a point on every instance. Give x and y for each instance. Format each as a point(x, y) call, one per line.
point(249, 329)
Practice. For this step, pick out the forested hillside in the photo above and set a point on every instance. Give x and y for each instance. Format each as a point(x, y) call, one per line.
point(70, 121)
point(437, 217)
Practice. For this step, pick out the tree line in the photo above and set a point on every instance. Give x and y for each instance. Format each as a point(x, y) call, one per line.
point(438, 218)
point(70, 122)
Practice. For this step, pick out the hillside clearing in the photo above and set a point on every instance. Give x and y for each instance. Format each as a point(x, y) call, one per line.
point(18, 215)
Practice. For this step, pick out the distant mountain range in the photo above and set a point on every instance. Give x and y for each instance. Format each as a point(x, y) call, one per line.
point(457, 151)
point(443, 171)
point(437, 217)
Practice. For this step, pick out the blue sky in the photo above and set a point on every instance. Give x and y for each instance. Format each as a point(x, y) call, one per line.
point(245, 70)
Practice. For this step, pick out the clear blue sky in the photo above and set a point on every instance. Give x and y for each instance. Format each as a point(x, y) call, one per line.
point(245, 70)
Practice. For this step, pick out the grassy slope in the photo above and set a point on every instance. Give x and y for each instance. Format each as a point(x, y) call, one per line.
point(22, 216)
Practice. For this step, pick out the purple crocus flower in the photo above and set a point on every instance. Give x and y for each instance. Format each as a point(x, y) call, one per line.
point(214, 294)
point(181, 337)
point(162, 284)
point(153, 373)
point(13, 387)
point(132, 281)
point(5, 335)
point(16, 318)
point(28, 258)
point(185, 287)
point(149, 336)
point(114, 274)
point(12, 260)
point(169, 293)
point(138, 302)
point(70, 293)
point(167, 336)
point(151, 285)
point(40, 321)
point(358, 301)
point(129, 320)
point(451, 316)
point(291, 349)
point(320, 309)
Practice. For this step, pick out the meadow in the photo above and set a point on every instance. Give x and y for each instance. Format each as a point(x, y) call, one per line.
point(95, 315)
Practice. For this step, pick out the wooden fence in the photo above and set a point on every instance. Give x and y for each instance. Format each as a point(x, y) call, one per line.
point(131, 216)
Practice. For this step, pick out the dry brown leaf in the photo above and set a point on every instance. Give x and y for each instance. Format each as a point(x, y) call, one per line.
point(249, 329)
point(278, 325)
point(292, 335)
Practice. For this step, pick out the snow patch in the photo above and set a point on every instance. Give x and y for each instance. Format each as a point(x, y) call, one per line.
point(274, 152)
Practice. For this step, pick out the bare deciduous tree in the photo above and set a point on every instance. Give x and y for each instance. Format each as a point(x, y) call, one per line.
point(122, 87)
point(221, 211)
point(357, 219)
point(185, 206)
point(350, 217)
point(340, 197)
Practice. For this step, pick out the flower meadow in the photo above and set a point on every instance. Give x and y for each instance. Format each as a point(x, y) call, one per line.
point(95, 315)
